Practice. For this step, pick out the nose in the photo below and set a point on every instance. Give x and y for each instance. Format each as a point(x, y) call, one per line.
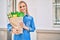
point(22, 8)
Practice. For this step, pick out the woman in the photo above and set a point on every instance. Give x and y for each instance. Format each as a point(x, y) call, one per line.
point(28, 23)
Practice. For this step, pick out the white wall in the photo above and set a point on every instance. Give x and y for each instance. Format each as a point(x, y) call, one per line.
point(3, 12)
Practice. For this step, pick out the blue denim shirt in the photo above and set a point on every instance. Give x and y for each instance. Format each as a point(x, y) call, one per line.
point(29, 22)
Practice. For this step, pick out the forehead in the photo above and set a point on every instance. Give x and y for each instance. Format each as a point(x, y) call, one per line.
point(22, 4)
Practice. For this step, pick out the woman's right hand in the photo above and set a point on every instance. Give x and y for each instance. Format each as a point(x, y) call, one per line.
point(15, 31)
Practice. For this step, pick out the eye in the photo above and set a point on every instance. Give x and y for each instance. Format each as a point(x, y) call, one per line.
point(23, 6)
point(20, 7)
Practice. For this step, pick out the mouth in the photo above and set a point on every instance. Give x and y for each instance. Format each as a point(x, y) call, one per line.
point(22, 9)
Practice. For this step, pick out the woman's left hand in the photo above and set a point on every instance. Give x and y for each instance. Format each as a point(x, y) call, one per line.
point(21, 24)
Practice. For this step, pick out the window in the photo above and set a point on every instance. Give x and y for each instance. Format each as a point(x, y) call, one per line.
point(11, 5)
point(56, 12)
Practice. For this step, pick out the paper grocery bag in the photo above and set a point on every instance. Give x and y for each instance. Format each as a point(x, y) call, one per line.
point(15, 19)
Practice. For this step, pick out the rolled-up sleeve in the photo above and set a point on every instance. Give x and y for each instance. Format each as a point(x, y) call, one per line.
point(32, 26)
point(9, 27)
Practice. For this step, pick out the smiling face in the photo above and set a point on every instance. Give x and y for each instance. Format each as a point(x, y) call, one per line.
point(22, 7)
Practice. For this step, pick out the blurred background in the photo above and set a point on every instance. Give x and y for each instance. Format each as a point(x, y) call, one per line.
point(43, 13)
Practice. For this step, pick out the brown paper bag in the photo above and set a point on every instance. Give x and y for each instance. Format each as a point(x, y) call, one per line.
point(15, 22)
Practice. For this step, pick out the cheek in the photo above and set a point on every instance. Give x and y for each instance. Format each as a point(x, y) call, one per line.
point(25, 8)
point(21, 10)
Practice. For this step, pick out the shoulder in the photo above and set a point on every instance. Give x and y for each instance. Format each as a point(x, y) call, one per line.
point(28, 17)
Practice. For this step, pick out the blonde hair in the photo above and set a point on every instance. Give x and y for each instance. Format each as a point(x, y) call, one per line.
point(25, 4)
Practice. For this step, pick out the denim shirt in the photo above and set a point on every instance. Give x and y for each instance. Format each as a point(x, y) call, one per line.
point(29, 22)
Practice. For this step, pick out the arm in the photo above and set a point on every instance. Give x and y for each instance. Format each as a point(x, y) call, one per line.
point(23, 25)
point(32, 26)
point(9, 27)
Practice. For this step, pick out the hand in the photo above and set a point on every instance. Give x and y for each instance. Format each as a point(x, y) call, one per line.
point(17, 31)
point(21, 24)
point(25, 27)
point(13, 30)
